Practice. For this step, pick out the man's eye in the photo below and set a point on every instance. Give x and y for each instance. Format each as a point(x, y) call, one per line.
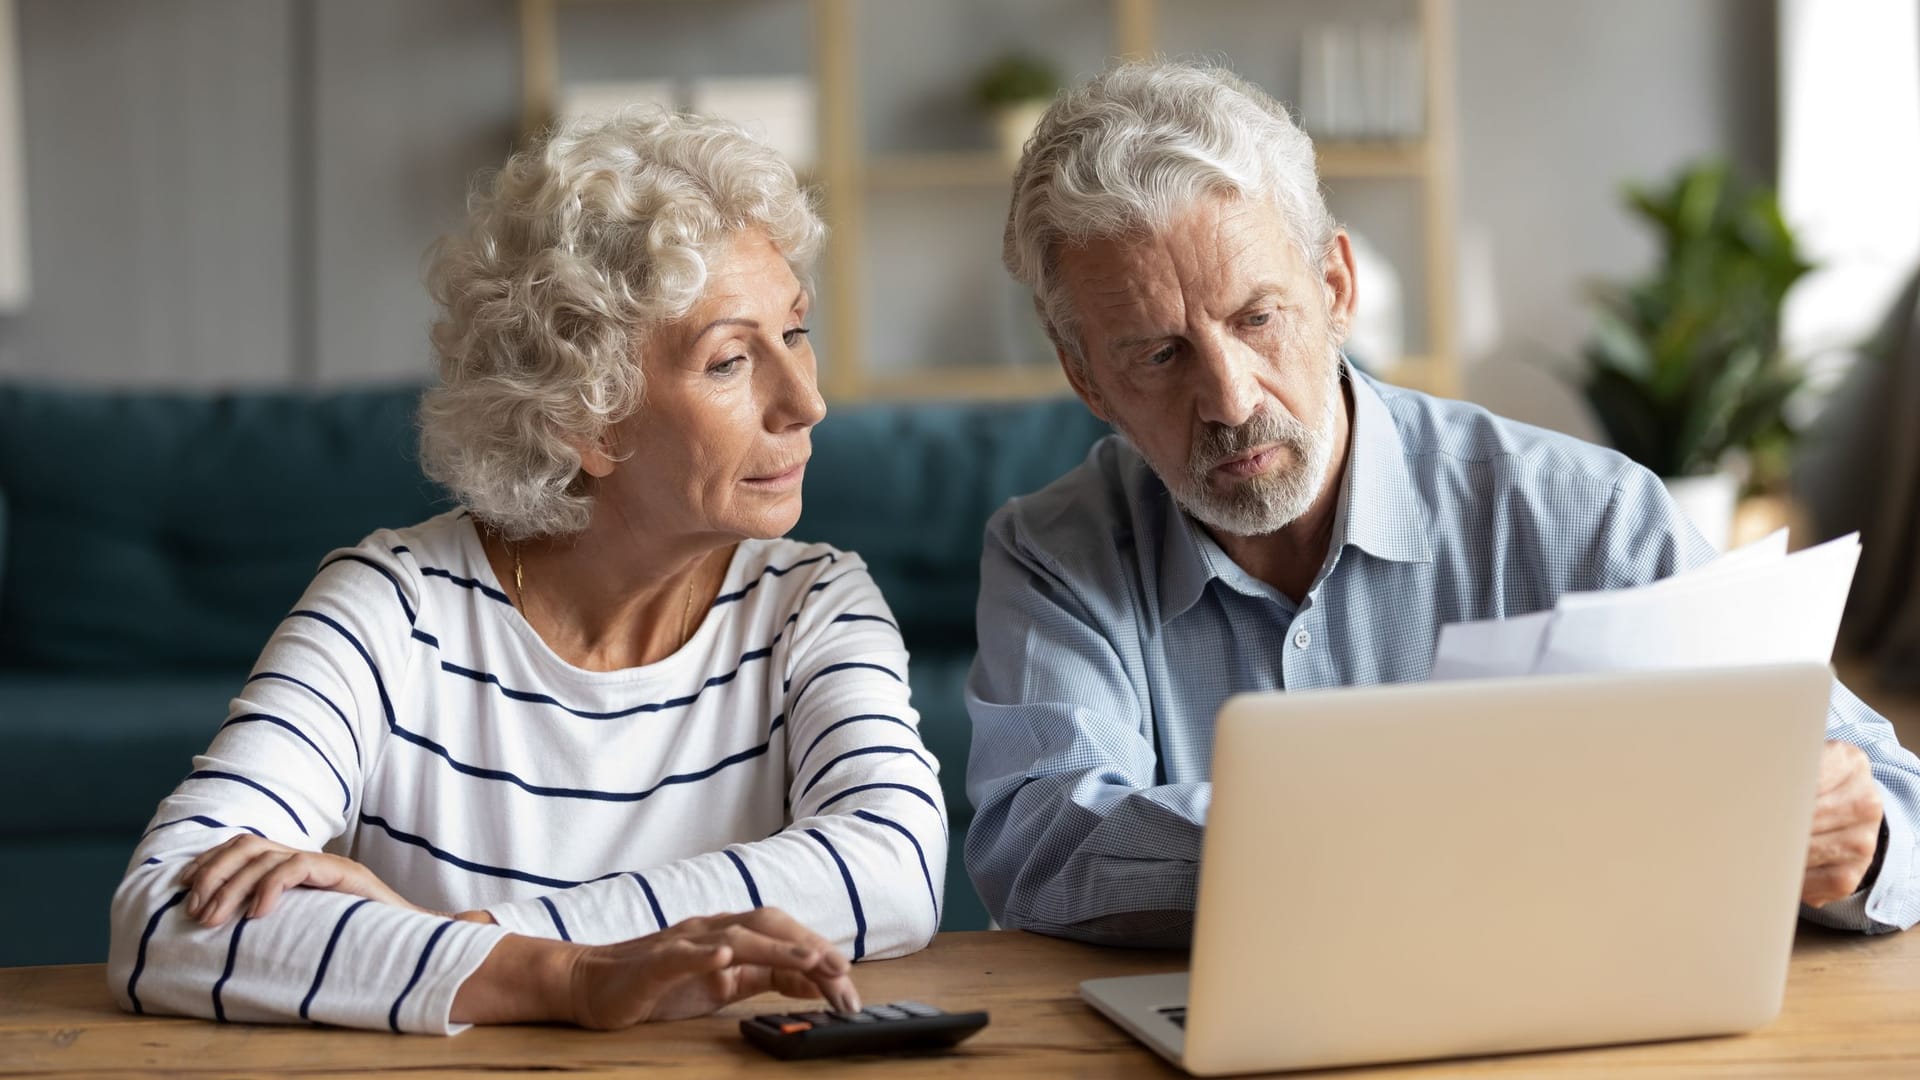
point(1262, 319)
point(1161, 357)
point(793, 336)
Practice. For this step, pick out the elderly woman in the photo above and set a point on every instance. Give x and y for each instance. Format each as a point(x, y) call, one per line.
point(519, 761)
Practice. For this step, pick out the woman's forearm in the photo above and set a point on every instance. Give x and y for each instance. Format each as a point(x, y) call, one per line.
point(523, 980)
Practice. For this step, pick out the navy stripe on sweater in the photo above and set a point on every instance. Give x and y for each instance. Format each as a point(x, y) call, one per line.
point(557, 923)
point(140, 957)
point(853, 896)
point(932, 896)
point(771, 571)
point(546, 791)
point(346, 793)
point(857, 788)
point(465, 864)
point(201, 819)
point(753, 891)
point(483, 588)
point(862, 752)
point(398, 592)
point(393, 1014)
point(326, 957)
point(845, 665)
point(652, 900)
point(351, 734)
point(233, 954)
point(215, 774)
point(831, 728)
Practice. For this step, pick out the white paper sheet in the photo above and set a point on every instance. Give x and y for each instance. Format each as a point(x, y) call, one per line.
point(1757, 605)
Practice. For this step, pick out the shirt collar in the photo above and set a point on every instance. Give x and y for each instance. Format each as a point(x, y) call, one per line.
point(1380, 513)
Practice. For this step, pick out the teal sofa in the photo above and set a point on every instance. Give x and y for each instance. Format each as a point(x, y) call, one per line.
point(150, 542)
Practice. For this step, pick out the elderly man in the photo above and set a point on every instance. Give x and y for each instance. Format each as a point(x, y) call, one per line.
point(1268, 519)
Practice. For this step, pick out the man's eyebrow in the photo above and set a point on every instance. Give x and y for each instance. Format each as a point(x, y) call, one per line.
point(1262, 291)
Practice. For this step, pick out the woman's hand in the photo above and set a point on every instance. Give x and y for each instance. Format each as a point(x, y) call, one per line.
point(689, 969)
point(250, 872)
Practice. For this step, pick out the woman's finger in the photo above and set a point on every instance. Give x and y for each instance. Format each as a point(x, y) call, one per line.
point(774, 922)
point(223, 863)
point(236, 889)
point(188, 872)
point(295, 871)
point(752, 947)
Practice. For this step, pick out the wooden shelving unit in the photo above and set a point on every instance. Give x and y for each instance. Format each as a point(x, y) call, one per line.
point(846, 173)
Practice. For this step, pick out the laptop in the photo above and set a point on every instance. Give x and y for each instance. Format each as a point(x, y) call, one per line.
point(1452, 869)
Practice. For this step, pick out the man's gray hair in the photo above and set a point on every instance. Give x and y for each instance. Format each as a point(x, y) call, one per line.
point(1126, 153)
point(572, 255)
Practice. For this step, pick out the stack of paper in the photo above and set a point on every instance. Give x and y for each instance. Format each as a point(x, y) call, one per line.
point(1757, 605)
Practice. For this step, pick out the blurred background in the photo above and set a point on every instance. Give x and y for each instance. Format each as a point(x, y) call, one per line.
point(1687, 228)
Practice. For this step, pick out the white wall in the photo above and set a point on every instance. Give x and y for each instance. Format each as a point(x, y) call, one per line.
point(1559, 103)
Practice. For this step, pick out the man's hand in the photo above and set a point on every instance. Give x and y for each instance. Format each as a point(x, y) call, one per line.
point(689, 969)
point(250, 872)
point(1846, 826)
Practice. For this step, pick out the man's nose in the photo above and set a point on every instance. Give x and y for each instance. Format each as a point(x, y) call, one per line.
point(1228, 392)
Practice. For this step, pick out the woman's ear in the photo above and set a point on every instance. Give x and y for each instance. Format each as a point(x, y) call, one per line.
point(596, 458)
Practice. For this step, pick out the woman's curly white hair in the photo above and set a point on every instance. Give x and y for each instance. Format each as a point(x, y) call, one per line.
point(572, 255)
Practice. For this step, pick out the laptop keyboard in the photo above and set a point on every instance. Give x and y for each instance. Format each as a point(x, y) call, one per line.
point(1176, 1013)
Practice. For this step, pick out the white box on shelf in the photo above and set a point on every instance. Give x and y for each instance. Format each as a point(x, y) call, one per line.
point(779, 109)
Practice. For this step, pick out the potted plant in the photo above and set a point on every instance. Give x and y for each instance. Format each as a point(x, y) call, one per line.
point(1015, 89)
point(1684, 370)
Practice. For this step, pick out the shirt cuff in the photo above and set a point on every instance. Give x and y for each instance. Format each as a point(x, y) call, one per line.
point(1880, 906)
point(430, 1009)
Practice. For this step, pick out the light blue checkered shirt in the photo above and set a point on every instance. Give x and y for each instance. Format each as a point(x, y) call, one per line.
point(1112, 627)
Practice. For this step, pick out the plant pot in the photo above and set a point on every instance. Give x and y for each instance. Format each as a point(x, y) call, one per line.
point(1708, 502)
point(1014, 124)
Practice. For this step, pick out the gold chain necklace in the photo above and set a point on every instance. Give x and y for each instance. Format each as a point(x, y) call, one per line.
point(520, 592)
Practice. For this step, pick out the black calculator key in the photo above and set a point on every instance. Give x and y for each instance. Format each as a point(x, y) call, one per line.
point(914, 1008)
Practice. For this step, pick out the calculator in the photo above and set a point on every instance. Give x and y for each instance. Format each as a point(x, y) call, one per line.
point(876, 1029)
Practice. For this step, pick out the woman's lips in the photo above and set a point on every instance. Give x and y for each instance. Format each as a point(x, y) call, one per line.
point(1252, 463)
point(779, 480)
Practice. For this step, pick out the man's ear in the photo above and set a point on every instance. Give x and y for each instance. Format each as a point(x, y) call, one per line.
point(1342, 284)
point(1076, 371)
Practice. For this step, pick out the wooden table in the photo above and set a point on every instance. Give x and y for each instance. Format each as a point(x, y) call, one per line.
point(1852, 1009)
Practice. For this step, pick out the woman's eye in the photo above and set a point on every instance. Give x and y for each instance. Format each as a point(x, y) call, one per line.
point(793, 336)
point(727, 367)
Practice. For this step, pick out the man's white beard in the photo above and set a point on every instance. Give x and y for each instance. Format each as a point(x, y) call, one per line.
point(1266, 503)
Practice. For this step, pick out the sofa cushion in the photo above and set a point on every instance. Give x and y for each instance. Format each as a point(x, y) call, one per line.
point(910, 487)
point(98, 755)
point(171, 531)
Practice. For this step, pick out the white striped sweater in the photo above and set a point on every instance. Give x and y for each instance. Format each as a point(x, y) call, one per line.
point(405, 715)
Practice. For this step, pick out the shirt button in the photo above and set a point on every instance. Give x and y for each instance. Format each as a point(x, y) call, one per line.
point(1302, 639)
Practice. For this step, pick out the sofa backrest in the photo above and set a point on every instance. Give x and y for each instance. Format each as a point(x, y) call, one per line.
point(152, 531)
point(161, 531)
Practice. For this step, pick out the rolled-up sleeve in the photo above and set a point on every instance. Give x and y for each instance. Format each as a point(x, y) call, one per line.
point(1071, 835)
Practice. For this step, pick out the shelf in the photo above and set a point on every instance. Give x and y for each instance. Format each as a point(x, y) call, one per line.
point(900, 172)
point(1371, 158)
point(972, 383)
point(1427, 374)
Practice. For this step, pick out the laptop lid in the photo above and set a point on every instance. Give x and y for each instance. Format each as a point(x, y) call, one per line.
point(1434, 870)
